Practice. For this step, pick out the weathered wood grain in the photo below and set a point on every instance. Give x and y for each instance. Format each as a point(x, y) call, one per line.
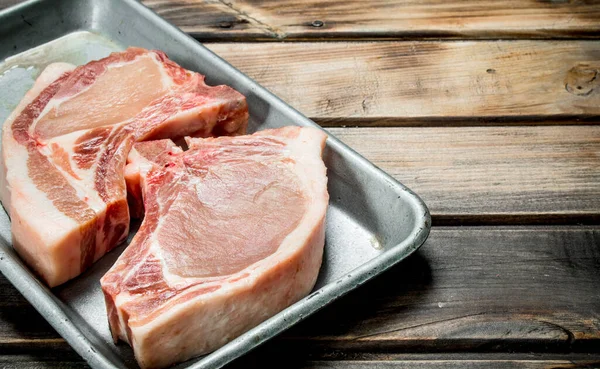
point(428, 83)
point(210, 20)
point(404, 361)
point(491, 174)
point(442, 363)
point(474, 289)
point(468, 289)
point(333, 19)
point(33, 362)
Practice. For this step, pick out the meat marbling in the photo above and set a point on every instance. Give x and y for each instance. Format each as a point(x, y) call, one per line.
point(233, 233)
point(65, 146)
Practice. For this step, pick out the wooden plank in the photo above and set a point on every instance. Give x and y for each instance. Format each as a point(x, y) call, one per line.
point(332, 19)
point(468, 289)
point(416, 361)
point(210, 20)
point(474, 289)
point(466, 364)
point(427, 83)
point(491, 174)
point(31, 361)
point(292, 359)
point(483, 364)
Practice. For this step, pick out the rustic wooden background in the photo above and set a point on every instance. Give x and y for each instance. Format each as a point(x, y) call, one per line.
point(489, 110)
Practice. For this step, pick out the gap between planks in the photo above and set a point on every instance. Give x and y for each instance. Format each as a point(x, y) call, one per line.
point(440, 122)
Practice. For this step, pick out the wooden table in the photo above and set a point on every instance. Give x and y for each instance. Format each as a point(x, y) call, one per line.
point(487, 109)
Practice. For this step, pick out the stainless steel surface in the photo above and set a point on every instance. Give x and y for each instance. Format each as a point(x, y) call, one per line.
point(373, 221)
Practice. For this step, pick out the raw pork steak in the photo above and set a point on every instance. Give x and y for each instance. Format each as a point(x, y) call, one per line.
point(233, 233)
point(65, 147)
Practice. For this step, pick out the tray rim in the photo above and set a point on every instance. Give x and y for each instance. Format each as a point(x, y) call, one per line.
point(53, 309)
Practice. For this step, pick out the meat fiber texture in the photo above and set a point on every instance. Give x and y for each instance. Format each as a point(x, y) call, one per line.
point(233, 233)
point(65, 146)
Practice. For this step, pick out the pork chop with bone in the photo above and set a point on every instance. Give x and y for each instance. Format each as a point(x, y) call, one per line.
point(233, 233)
point(65, 146)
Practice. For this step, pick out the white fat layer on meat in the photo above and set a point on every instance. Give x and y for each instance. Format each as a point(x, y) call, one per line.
point(8, 144)
point(52, 73)
point(26, 196)
point(85, 185)
point(125, 297)
point(171, 279)
point(135, 268)
point(299, 149)
point(166, 80)
point(15, 157)
point(49, 75)
point(121, 299)
point(47, 108)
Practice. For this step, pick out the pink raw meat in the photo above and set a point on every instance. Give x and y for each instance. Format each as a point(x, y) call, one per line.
point(233, 233)
point(65, 146)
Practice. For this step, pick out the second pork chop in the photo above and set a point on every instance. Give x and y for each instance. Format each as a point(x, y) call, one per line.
point(233, 233)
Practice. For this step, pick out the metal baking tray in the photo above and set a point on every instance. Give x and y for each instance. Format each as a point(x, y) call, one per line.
point(373, 221)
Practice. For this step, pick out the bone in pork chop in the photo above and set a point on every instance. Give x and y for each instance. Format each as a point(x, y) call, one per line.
point(65, 146)
point(233, 233)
